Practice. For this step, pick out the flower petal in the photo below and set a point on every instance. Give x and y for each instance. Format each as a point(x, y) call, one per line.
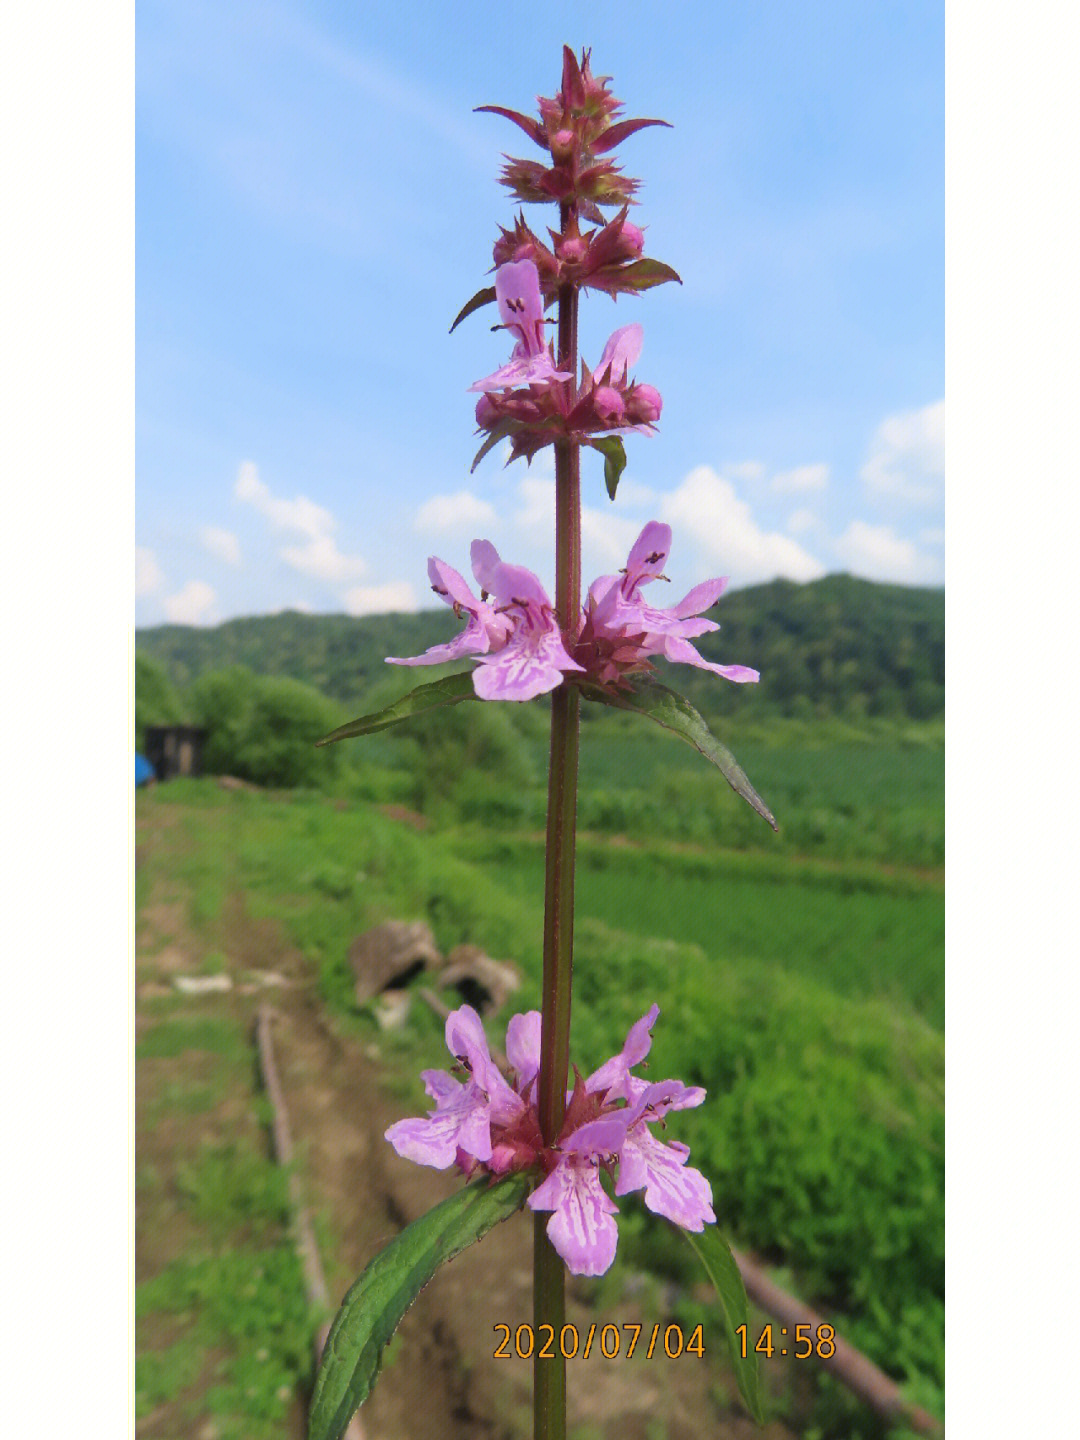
point(523, 1047)
point(474, 640)
point(683, 653)
point(672, 1188)
point(449, 585)
point(484, 558)
point(603, 1136)
point(517, 293)
point(581, 1228)
point(700, 598)
point(652, 1102)
point(466, 1040)
point(621, 351)
point(439, 1085)
point(613, 1074)
point(519, 672)
point(460, 1121)
point(649, 553)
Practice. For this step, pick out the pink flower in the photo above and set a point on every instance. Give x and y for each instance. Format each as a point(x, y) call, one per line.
point(488, 1124)
point(463, 1113)
point(607, 401)
point(611, 401)
point(486, 629)
point(534, 659)
point(517, 290)
point(622, 631)
point(516, 640)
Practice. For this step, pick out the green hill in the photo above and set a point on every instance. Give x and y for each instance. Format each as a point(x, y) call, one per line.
point(837, 646)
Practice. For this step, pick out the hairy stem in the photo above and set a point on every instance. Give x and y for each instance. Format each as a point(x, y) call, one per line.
point(549, 1373)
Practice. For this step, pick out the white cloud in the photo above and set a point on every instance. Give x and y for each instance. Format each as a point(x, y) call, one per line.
point(633, 494)
point(462, 511)
point(934, 536)
point(148, 576)
point(538, 498)
point(706, 510)
point(222, 543)
point(802, 478)
point(301, 514)
point(320, 556)
point(606, 536)
point(193, 605)
point(378, 599)
point(746, 470)
point(907, 456)
point(876, 552)
point(800, 521)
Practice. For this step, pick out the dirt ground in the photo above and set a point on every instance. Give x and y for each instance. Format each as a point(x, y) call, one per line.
point(440, 1380)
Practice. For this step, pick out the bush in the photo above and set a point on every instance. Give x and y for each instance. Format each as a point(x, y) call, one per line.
point(264, 728)
point(156, 702)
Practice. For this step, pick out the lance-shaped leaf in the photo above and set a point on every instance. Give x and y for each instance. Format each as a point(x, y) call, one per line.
point(616, 134)
point(532, 127)
point(644, 274)
point(715, 1255)
point(501, 431)
point(480, 299)
point(450, 690)
point(375, 1303)
point(672, 710)
point(611, 447)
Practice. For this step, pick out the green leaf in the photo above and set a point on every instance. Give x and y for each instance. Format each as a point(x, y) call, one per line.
point(611, 447)
point(674, 712)
point(715, 1255)
point(481, 298)
point(644, 274)
point(502, 431)
point(375, 1303)
point(449, 691)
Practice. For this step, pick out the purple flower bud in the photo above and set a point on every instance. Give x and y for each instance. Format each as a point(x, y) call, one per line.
point(486, 412)
point(609, 404)
point(645, 404)
point(562, 145)
point(573, 249)
point(633, 238)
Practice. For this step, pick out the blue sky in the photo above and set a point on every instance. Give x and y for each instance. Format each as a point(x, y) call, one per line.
point(316, 199)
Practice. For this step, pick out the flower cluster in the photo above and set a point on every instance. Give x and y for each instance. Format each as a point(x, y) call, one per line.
point(609, 258)
point(519, 646)
point(517, 640)
point(621, 630)
point(486, 1124)
point(577, 127)
point(607, 401)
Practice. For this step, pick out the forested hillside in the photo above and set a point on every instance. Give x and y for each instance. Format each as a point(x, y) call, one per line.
point(837, 646)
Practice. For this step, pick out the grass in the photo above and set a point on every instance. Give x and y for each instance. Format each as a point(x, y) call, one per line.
point(799, 980)
point(222, 1326)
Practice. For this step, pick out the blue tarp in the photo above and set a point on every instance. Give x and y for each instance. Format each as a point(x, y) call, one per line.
point(144, 771)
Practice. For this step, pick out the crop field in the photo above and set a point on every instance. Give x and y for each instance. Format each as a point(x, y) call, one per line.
point(799, 979)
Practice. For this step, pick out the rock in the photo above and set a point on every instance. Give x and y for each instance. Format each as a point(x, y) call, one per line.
point(390, 955)
point(202, 984)
point(269, 978)
point(392, 1009)
point(232, 782)
point(483, 983)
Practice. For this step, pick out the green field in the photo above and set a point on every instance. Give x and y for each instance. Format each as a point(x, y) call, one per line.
point(799, 976)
